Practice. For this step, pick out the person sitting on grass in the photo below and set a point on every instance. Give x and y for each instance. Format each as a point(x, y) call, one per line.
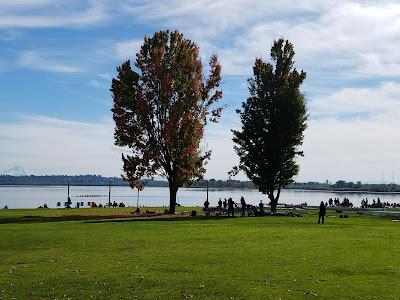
point(243, 206)
point(230, 207)
point(322, 212)
point(114, 204)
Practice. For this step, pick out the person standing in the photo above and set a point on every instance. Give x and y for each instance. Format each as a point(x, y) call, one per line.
point(261, 206)
point(243, 206)
point(220, 203)
point(230, 207)
point(225, 203)
point(206, 207)
point(322, 212)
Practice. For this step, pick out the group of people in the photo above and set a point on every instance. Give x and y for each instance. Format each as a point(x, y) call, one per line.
point(91, 204)
point(374, 204)
point(114, 204)
point(377, 204)
point(228, 206)
point(336, 202)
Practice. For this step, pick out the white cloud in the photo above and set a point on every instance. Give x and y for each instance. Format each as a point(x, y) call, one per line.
point(208, 18)
point(353, 133)
point(218, 139)
point(33, 60)
point(342, 144)
point(335, 147)
point(382, 101)
point(354, 137)
point(44, 13)
point(127, 49)
point(95, 83)
point(46, 145)
point(350, 150)
point(349, 40)
point(105, 76)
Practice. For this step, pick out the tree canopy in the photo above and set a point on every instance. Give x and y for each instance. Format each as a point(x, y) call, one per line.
point(161, 108)
point(273, 119)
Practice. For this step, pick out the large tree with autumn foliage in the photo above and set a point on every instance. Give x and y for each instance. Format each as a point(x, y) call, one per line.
point(161, 107)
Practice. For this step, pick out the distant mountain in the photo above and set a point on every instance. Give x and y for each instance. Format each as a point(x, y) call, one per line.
point(15, 171)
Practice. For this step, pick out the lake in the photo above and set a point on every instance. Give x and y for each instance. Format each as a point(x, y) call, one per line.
point(34, 196)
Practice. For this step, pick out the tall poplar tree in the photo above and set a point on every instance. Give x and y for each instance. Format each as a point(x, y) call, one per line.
point(273, 118)
point(161, 108)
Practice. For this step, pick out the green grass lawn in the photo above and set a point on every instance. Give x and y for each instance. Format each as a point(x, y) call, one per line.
point(220, 258)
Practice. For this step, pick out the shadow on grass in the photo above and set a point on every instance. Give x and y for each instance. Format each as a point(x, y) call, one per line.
point(41, 219)
point(162, 219)
point(102, 219)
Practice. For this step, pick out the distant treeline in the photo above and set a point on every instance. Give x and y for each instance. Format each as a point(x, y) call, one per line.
point(212, 183)
point(115, 181)
point(342, 185)
point(60, 180)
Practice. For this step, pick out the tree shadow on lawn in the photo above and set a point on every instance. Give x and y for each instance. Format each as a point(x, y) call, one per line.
point(162, 219)
point(103, 219)
point(41, 219)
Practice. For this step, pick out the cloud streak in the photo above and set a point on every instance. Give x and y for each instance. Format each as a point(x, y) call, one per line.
point(31, 59)
point(46, 145)
point(50, 14)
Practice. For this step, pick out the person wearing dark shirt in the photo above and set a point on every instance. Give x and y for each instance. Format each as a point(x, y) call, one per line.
point(230, 207)
point(322, 212)
point(261, 206)
point(243, 206)
point(206, 209)
point(220, 203)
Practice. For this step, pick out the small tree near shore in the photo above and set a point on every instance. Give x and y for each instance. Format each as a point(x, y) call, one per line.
point(273, 118)
point(161, 108)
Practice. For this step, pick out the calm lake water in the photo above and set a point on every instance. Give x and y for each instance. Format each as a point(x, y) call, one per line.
point(34, 196)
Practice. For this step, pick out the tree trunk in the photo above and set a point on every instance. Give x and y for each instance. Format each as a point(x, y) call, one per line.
point(273, 199)
point(172, 198)
point(274, 204)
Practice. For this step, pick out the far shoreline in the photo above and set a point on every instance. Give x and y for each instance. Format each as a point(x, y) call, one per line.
point(211, 188)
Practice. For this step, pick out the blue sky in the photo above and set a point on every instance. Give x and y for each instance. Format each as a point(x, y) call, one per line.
point(57, 59)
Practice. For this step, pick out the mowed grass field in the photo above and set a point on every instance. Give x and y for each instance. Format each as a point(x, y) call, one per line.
point(54, 257)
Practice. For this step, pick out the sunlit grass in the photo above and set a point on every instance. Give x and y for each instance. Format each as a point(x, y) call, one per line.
point(268, 257)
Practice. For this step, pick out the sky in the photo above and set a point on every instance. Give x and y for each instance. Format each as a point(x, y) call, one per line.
point(57, 59)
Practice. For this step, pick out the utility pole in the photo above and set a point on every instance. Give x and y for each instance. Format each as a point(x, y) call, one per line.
point(207, 190)
point(137, 199)
point(69, 202)
point(109, 194)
